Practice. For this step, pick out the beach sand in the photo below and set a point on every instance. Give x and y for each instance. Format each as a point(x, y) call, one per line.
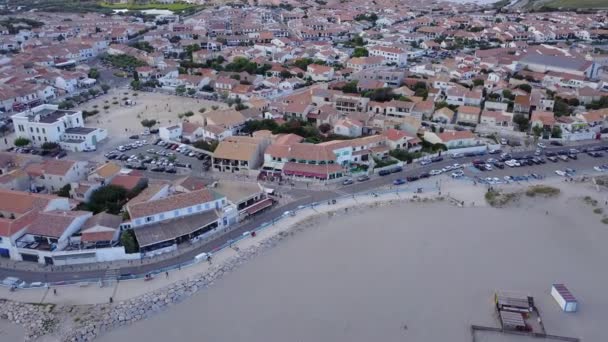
point(10, 331)
point(407, 272)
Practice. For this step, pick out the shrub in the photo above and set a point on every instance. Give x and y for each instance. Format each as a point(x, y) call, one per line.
point(21, 141)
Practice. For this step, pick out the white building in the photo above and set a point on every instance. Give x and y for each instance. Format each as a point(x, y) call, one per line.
point(46, 123)
point(390, 54)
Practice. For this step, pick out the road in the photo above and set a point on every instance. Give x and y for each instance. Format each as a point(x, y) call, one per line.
point(305, 197)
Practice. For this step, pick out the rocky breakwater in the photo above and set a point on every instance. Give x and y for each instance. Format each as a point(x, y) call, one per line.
point(37, 320)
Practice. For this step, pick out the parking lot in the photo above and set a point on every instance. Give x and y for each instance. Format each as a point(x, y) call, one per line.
point(503, 167)
point(154, 155)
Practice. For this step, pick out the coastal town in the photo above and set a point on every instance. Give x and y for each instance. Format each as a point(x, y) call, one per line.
point(139, 136)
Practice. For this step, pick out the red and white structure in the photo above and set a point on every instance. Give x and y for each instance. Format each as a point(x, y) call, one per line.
point(564, 298)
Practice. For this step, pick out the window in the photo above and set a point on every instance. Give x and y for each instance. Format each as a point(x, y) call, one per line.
point(161, 216)
point(58, 130)
point(198, 207)
point(190, 210)
point(31, 130)
point(176, 213)
point(138, 221)
point(37, 130)
point(44, 130)
point(206, 205)
point(150, 219)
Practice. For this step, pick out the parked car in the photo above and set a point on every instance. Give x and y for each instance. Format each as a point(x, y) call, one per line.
point(552, 159)
point(134, 137)
point(347, 182)
point(384, 173)
point(61, 155)
point(396, 169)
point(412, 178)
point(435, 172)
point(457, 174)
point(556, 143)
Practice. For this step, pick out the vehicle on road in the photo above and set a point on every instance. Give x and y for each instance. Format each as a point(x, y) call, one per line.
point(384, 173)
point(556, 143)
point(435, 172)
point(563, 157)
point(560, 173)
point(347, 182)
point(541, 145)
point(362, 178)
point(399, 181)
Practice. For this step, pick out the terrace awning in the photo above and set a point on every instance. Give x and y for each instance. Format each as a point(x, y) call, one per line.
point(261, 205)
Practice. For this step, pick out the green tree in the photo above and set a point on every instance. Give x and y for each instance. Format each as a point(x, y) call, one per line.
point(105, 88)
point(360, 52)
point(129, 242)
point(324, 128)
point(21, 141)
point(148, 123)
point(522, 122)
point(508, 94)
point(180, 89)
point(537, 131)
point(478, 82)
point(350, 87)
point(94, 73)
point(64, 191)
point(191, 91)
point(525, 87)
point(108, 198)
point(561, 107)
point(556, 132)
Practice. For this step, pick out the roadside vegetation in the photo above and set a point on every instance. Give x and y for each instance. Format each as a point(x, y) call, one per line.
point(542, 191)
point(499, 199)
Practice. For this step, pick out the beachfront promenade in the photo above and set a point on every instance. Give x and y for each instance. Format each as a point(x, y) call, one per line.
point(92, 293)
point(30, 272)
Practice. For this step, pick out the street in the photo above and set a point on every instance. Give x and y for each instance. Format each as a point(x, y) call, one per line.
point(303, 197)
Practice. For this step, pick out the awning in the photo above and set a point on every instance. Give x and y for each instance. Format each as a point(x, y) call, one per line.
point(263, 204)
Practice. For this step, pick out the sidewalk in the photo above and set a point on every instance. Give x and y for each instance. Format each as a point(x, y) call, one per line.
point(123, 290)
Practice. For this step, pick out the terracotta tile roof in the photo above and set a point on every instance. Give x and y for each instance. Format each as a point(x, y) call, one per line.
point(54, 223)
point(128, 182)
point(108, 169)
point(57, 167)
point(455, 135)
point(236, 149)
point(191, 183)
point(170, 203)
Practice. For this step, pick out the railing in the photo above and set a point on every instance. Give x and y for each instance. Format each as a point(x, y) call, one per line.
point(101, 281)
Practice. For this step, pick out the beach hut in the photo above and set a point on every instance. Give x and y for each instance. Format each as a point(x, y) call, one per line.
point(512, 320)
point(564, 298)
point(513, 302)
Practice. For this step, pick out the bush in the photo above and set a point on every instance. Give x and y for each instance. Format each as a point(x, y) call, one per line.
point(148, 123)
point(542, 190)
point(64, 191)
point(129, 242)
point(48, 146)
point(21, 141)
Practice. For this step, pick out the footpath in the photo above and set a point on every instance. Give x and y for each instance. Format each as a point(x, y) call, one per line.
point(91, 293)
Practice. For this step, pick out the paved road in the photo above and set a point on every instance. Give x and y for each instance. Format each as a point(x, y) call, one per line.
point(305, 197)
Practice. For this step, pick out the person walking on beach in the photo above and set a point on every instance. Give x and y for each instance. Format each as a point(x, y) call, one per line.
point(55, 292)
point(166, 274)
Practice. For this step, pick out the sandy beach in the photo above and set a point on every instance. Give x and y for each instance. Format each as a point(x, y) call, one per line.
point(10, 331)
point(410, 271)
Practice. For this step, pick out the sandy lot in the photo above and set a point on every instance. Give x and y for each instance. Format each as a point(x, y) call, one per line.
point(120, 119)
point(432, 268)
